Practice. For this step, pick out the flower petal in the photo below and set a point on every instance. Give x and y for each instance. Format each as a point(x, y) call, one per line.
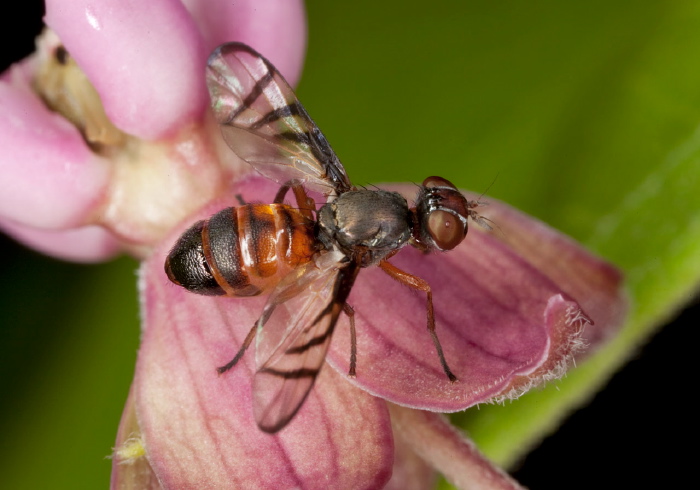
point(410, 472)
point(87, 244)
point(198, 428)
point(438, 442)
point(145, 59)
point(130, 467)
point(501, 322)
point(275, 28)
point(50, 177)
point(594, 283)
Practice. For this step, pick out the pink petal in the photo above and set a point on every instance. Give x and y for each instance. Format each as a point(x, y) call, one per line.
point(411, 472)
point(439, 443)
point(594, 283)
point(50, 177)
point(130, 467)
point(275, 28)
point(503, 323)
point(87, 244)
point(198, 427)
point(146, 60)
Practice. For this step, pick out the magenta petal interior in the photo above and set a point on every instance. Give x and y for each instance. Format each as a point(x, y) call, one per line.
point(146, 60)
point(198, 426)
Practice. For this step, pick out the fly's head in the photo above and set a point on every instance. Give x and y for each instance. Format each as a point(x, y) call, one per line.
point(440, 215)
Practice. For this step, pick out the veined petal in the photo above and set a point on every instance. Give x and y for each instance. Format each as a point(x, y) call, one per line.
point(198, 428)
point(504, 325)
point(594, 283)
point(411, 471)
point(145, 59)
point(276, 28)
point(50, 177)
point(130, 467)
point(439, 443)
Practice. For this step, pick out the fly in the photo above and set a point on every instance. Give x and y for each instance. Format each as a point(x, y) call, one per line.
point(306, 260)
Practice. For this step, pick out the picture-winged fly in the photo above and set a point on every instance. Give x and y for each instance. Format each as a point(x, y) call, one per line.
point(307, 260)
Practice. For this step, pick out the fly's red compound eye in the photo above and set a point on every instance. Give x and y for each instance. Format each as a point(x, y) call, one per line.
point(446, 229)
point(435, 181)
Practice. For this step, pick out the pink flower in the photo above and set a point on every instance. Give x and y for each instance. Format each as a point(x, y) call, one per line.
point(88, 201)
point(130, 164)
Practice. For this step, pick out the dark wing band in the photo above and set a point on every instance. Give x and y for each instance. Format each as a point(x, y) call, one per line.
point(295, 330)
point(265, 124)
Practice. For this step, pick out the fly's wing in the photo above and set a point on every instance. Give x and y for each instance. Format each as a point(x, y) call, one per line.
point(294, 332)
point(264, 123)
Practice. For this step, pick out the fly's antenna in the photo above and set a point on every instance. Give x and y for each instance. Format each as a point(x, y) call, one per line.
point(480, 220)
point(484, 222)
point(478, 200)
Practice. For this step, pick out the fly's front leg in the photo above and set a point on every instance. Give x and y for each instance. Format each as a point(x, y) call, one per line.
point(307, 206)
point(420, 285)
point(350, 312)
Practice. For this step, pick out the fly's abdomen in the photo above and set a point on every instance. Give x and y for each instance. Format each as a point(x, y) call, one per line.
point(241, 251)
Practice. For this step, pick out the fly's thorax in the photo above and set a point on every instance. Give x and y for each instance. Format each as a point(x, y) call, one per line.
point(366, 225)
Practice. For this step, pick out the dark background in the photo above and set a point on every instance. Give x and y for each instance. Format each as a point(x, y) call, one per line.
point(631, 434)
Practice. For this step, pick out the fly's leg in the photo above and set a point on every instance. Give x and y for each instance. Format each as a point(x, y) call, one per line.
point(307, 206)
point(350, 312)
point(420, 285)
point(279, 197)
point(249, 338)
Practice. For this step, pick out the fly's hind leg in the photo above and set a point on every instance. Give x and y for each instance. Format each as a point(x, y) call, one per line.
point(420, 285)
point(248, 339)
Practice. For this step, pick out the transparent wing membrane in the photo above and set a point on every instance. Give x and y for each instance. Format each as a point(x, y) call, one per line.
point(294, 332)
point(264, 123)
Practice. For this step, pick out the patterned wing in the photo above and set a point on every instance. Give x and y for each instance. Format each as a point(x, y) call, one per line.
point(264, 123)
point(294, 332)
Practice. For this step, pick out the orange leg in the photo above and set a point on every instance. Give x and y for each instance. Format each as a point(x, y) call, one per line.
point(420, 285)
point(307, 206)
point(350, 312)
